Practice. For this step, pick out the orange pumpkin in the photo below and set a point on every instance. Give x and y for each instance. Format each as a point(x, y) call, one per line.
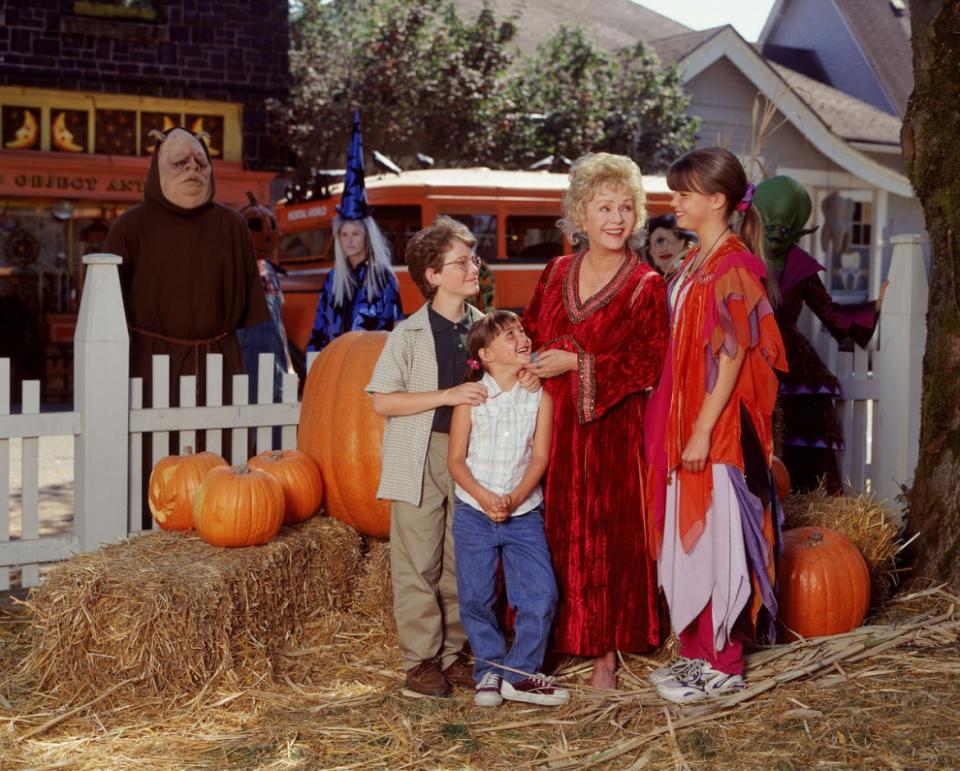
point(781, 478)
point(299, 477)
point(824, 584)
point(342, 433)
point(173, 484)
point(238, 506)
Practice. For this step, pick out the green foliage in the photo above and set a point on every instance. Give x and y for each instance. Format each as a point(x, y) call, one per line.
point(578, 99)
point(423, 79)
point(427, 80)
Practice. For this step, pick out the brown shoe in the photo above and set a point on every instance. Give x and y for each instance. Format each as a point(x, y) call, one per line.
point(460, 672)
point(426, 679)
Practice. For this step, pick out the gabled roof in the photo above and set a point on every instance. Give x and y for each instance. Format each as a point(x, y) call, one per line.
point(885, 39)
point(613, 24)
point(673, 49)
point(828, 118)
point(883, 35)
point(844, 115)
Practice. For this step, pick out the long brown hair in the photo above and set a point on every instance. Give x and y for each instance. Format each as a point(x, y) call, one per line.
point(481, 335)
point(711, 170)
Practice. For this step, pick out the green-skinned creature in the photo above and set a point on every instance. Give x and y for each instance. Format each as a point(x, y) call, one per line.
point(785, 207)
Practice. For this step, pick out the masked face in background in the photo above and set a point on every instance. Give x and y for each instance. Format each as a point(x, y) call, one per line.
point(185, 171)
point(785, 207)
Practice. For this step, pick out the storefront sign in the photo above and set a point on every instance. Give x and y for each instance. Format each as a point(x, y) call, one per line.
point(103, 178)
point(49, 183)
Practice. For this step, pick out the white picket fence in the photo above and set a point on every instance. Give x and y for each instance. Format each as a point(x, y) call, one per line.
point(108, 422)
point(880, 408)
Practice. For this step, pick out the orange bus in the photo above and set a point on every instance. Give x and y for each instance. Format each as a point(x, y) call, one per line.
point(513, 214)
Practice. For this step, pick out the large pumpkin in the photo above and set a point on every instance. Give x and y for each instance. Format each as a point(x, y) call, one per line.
point(238, 506)
point(342, 433)
point(299, 477)
point(173, 484)
point(824, 584)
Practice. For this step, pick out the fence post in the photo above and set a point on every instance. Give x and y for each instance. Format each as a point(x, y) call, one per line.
point(903, 338)
point(101, 396)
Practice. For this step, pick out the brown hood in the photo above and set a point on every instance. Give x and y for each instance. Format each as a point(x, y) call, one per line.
point(153, 193)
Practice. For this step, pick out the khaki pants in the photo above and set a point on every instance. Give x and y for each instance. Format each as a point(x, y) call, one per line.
point(422, 571)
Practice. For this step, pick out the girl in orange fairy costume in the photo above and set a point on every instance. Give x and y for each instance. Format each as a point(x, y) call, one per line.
point(713, 519)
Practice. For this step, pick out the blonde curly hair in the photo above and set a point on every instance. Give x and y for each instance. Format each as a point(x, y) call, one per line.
point(588, 174)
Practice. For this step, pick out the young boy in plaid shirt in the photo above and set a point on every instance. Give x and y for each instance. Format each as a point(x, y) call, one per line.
point(417, 382)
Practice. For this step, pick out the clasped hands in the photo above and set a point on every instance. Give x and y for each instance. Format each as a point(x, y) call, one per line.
point(497, 507)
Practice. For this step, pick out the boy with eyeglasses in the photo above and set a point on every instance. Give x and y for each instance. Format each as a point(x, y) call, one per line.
point(417, 382)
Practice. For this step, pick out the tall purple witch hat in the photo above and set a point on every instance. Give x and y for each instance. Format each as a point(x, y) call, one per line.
point(353, 205)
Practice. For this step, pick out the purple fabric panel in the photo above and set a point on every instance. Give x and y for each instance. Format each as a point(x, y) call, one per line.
point(758, 550)
point(858, 320)
point(761, 309)
point(798, 267)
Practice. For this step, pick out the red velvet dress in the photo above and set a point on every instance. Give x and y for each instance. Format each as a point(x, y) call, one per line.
point(594, 486)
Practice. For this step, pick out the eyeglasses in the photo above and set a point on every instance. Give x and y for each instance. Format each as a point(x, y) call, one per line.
point(466, 262)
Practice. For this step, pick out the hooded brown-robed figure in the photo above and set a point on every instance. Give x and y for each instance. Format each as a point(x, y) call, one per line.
point(189, 275)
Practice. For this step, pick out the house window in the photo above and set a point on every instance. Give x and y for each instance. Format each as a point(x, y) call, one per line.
point(850, 272)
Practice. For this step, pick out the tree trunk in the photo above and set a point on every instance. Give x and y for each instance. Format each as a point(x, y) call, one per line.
point(931, 145)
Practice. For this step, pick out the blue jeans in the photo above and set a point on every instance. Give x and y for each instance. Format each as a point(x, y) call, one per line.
point(479, 543)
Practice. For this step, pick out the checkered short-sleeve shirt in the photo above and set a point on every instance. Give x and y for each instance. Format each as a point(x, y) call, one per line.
point(408, 363)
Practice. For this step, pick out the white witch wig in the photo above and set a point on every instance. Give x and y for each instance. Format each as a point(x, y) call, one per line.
point(378, 263)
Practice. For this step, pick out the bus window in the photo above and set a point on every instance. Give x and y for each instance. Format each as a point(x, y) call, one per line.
point(309, 244)
point(484, 229)
point(533, 237)
point(398, 224)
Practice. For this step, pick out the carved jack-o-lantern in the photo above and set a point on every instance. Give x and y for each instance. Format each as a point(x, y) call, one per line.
point(262, 224)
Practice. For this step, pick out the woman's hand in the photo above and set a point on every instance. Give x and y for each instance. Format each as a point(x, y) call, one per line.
point(552, 362)
point(694, 455)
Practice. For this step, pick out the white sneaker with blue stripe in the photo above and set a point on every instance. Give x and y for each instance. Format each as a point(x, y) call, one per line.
point(701, 681)
point(672, 671)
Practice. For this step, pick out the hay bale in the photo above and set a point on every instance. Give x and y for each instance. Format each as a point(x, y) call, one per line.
point(373, 594)
point(867, 522)
point(173, 615)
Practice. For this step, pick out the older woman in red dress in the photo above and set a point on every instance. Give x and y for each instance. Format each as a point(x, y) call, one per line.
point(599, 320)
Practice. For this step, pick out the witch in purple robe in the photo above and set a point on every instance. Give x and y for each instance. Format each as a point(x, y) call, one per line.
point(811, 433)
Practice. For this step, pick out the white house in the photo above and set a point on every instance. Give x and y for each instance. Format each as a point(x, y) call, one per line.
point(839, 73)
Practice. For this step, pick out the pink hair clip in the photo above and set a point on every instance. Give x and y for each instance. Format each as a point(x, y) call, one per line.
point(747, 198)
point(473, 364)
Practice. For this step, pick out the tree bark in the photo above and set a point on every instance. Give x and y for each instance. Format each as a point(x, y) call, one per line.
point(931, 145)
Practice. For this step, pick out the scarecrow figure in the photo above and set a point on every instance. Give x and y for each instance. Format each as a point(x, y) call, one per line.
point(361, 291)
point(811, 433)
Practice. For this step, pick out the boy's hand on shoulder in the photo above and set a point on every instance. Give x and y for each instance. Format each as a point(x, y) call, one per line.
point(465, 393)
point(529, 381)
